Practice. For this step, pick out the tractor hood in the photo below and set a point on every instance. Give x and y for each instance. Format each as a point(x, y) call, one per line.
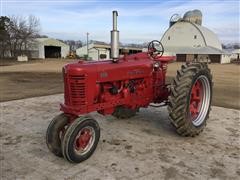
point(103, 71)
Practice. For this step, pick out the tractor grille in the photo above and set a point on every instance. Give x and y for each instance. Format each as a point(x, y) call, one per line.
point(77, 90)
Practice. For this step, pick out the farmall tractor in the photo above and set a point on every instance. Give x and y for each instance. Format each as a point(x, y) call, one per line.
point(120, 87)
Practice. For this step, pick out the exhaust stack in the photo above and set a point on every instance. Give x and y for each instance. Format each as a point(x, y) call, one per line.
point(115, 39)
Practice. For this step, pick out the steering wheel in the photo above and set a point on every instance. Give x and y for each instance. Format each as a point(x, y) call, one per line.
point(155, 48)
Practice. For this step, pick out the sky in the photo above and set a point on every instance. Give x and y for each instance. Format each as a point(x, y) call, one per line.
point(139, 21)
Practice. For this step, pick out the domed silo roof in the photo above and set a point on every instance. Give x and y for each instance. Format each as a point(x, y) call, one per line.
point(187, 15)
point(194, 16)
point(174, 18)
point(197, 12)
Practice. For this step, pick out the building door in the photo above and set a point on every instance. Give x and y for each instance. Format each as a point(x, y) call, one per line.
point(52, 51)
point(181, 57)
point(215, 58)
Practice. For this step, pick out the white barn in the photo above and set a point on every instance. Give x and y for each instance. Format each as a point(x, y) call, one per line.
point(189, 40)
point(95, 51)
point(235, 54)
point(101, 51)
point(49, 48)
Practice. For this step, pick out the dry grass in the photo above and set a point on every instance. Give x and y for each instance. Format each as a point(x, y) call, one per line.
point(226, 78)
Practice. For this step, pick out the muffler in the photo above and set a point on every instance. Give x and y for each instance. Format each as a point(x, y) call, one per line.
point(115, 39)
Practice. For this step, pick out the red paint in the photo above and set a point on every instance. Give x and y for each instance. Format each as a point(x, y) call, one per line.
point(196, 99)
point(101, 86)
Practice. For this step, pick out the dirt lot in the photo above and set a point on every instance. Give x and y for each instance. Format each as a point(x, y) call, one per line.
point(143, 147)
point(39, 78)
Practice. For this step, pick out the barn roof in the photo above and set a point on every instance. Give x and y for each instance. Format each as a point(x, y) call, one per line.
point(207, 43)
point(209, 36)
point(50, 42)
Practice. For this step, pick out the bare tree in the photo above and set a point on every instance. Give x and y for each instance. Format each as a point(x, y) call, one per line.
point(17, 35)
point(22, 32)
point(4, 36)
point(73, 44)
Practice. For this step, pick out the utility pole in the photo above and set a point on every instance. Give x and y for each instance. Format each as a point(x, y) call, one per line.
point(87, 46)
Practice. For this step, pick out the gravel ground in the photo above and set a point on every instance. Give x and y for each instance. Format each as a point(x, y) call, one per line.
point(143, 147)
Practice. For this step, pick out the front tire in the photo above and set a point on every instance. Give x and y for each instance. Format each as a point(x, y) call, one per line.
point(55, 133)
point(190, 99)
point(81, 139)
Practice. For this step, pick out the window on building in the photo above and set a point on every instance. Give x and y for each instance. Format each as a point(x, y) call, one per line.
point(168, 37)
point(195, 36)
point(103, 56)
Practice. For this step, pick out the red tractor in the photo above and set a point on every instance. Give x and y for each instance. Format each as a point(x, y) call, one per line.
point(121, 87)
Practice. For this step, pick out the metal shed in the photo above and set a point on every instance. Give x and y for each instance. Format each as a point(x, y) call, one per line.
point(49, 48)
point(101, 51)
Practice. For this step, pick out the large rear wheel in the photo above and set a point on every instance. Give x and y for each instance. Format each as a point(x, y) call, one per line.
point(190, 99)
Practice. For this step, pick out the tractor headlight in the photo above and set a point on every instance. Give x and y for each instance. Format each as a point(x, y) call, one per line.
point(156, 65)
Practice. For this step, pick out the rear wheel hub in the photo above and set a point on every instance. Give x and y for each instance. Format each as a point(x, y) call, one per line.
point(199, 100)
point(196, 99)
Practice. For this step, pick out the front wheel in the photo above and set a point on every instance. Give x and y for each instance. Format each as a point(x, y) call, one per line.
point(190, 99)
point(80, 139)
point(55, 133)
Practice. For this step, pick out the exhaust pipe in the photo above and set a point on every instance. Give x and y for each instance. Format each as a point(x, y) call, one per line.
point(115, 39)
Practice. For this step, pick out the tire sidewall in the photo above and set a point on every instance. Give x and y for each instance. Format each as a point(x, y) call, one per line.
point(201, 72)
point(53, 140)
point(69, 149)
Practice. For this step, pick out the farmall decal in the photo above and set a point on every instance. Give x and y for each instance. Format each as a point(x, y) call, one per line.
point(103, 74)
point(136, 72)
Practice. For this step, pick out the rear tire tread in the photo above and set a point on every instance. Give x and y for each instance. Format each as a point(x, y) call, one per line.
point(180, 88)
